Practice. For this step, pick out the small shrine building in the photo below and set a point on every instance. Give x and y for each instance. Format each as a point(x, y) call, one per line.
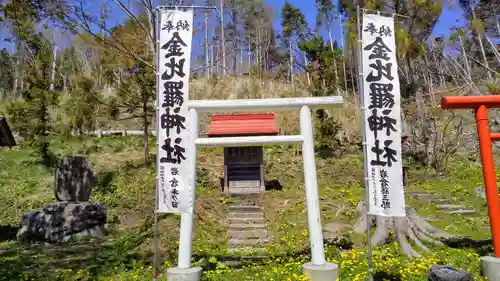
point(243, 166)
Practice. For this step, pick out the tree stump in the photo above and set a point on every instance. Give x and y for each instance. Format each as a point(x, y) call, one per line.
point(410, 228)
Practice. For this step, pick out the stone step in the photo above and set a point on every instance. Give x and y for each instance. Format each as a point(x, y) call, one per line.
point(246, 220)
point(248, 234)
point(439, 201)
point(258, 256)
point(450, 206)
point(433, 219)
point(247, 202)
point(243, 215)
point(247, 241)
point(244, 190)
point(413, 192)
point(246, 226)
point(423, 195)
point(245, 209)
point(463, 212)
point(237, 250)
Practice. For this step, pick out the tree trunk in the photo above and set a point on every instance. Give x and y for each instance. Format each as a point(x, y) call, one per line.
point(241, 59)
point(498, 25)
point(430, 82)
point(207, 69)
point(258, 50)
point(353, 77)
point(16, 92)
point(222, 36)
point(291, 61)
point(53, 69)
point(343, 52)
point(249, 55)
point(438, 66)
point(466, 60)
point(480, 39)
point(151, 26)
point(307, 70)
point(334, 60)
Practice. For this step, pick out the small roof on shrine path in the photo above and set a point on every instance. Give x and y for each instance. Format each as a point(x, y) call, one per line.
point(243, 125)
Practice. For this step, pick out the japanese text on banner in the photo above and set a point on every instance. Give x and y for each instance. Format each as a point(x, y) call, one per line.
point(175, 36)
point(382, 117)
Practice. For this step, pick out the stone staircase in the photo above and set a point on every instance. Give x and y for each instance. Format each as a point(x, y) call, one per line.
point(245, 191)
point(442, 203)
point(247, 226)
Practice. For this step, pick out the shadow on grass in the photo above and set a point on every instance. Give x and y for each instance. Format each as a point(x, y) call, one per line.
point(384, 276)
point(105, 182)
point(241, 261)
point(105, 179)
point(107, 256)
point(482, 247)
point(97, 258)
point(7, 232)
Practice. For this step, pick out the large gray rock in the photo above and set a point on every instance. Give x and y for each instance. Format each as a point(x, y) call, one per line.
point(63, 221)
point(74, 179)
point(448, 273)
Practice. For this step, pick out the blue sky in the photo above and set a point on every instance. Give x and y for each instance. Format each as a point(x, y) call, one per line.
point(451, 16)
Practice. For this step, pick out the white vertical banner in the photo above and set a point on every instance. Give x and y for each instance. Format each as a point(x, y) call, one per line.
point(172, 96)
point(382, 117)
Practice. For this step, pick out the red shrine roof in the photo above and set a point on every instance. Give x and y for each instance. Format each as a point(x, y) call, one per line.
point(243, 125)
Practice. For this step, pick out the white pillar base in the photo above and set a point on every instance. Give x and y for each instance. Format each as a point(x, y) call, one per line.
point(184, 274)
point(327, 272)
point(490, 267)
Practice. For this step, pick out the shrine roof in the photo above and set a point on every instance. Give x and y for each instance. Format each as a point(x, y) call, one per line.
point(243, 125)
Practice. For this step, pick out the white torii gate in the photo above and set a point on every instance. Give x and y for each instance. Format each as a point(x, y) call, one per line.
point(318, 269)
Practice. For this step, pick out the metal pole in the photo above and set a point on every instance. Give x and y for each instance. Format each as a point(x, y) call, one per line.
point(311, 184)
point(490, 179)
point(155, 238)
point(187, 219)
point(363, 111)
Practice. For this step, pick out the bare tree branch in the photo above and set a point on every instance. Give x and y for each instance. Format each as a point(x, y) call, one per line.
point(130, 14)
point(83, 22)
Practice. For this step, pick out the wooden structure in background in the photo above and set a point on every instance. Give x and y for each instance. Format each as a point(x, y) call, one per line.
point(6, 137)
point(243, 166)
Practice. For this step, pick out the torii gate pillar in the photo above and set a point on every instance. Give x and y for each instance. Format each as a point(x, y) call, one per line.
point(490, 266)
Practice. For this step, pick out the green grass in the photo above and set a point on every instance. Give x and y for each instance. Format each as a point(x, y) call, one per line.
point(460, 188)
point(127, 188)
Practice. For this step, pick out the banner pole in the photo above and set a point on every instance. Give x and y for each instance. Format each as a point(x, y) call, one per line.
point(363, 109)
point(157, 70)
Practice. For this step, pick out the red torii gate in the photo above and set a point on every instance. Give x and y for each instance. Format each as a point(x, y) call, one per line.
point(480, 104)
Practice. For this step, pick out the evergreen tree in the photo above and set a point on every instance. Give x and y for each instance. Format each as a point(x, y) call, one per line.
point(6, 73)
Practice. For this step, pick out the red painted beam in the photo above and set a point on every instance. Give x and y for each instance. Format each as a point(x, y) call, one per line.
point(495, 136)
point(470, 102)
